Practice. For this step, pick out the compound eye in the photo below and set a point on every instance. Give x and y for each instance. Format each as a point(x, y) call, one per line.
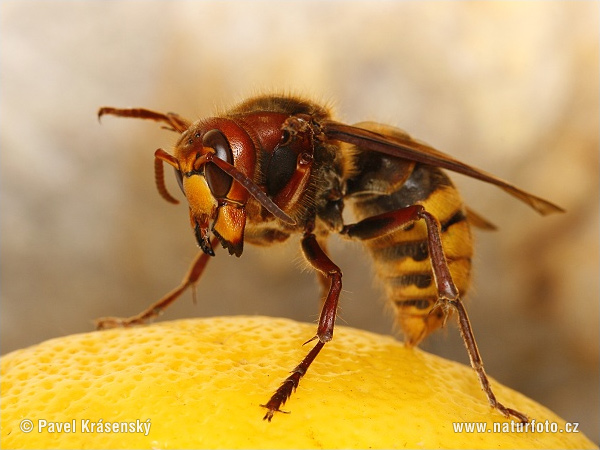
point(218, 181)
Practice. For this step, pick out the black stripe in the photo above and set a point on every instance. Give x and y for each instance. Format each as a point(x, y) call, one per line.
point(459, 216)
point(419, 303)
point(417, 250)
point(420, 280)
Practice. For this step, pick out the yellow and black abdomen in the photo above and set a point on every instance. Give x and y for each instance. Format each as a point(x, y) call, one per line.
point(401, 257)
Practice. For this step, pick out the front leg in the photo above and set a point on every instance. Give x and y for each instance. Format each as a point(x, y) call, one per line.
point(157, 308)
point(321, 262)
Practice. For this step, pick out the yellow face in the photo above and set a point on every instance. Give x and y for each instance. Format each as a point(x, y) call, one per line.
point(203, 205)
point(217, 205)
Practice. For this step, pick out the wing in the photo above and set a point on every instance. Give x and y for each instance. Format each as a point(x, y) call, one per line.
point(407, 148)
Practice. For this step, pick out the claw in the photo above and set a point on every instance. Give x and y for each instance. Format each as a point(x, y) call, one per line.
point(106, 323)
point(271, 412)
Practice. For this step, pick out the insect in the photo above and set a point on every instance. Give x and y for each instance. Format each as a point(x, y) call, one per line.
point(276, 166)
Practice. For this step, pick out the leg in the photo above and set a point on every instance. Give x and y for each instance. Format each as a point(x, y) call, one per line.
point(448, 295)
point(323, 278)
point(321, 262)
point(174, 121)
point(157, 308)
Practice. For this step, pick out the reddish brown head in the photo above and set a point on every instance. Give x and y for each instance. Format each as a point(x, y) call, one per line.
point(214, 162)
point(216, 203)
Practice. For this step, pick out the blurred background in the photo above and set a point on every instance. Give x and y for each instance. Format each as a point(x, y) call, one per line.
point(509, 87)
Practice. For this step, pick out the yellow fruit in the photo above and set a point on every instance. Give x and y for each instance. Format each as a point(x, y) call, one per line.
point(200, 384)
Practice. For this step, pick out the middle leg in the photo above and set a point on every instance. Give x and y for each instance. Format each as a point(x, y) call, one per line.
point(321, 262)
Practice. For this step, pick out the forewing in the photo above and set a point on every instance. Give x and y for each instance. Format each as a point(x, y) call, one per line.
point(407, 148)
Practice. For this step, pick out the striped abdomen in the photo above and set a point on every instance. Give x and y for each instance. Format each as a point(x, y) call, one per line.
point(401, 258)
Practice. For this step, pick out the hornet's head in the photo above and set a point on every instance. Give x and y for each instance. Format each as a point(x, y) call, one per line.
point(214, 162)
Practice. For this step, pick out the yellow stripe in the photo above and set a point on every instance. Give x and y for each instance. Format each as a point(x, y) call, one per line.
point(460, 270)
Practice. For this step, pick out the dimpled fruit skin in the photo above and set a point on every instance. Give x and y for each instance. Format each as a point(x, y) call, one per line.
point(201, 383)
